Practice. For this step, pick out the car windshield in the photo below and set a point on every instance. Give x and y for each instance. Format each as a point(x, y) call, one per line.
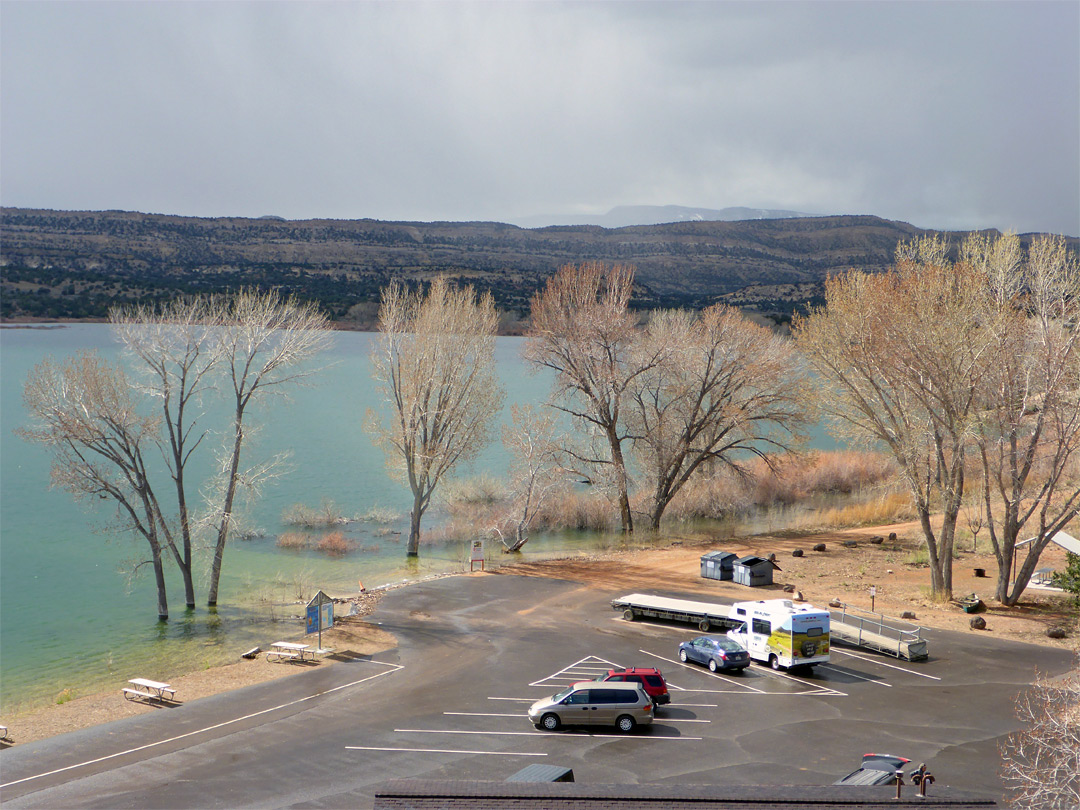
point(563, 693)
point(727, 645)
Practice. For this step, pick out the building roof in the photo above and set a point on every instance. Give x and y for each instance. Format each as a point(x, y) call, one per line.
point(427, 794)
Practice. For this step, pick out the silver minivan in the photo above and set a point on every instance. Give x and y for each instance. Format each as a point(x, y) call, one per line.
point(623, 705)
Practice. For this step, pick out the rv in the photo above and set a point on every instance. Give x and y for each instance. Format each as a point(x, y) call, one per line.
point(780, 633)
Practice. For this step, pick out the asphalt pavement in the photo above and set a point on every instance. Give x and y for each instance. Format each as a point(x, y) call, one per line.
point(449, 703)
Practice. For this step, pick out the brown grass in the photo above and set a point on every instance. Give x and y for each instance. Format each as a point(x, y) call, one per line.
point(293, 540)
point(335, 544)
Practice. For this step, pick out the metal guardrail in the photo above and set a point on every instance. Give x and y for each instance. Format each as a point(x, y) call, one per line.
point(866, 622)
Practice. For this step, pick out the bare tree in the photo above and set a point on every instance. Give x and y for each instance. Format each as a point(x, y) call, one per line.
point(266, 345)
point(582, 329)
point(1041, 762)
point(84, 412)
point(536, 472)
point(434, 362)
point(716, 387)
point(178, 346)
point(1029, 424)
point(902, 359)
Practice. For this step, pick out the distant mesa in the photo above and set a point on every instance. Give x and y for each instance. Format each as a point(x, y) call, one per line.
point(274, 217)
point(628, 216)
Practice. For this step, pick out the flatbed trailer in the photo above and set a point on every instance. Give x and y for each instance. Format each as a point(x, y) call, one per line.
point(706, 615)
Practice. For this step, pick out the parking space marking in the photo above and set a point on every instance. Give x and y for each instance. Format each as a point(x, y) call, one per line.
point(483, 714)
point(537, 734)
point(814, 689)
point(884, 664)
point(854, 675)
point(585, 669)
point(697, 705)
point(519, 700)
point(444, 751)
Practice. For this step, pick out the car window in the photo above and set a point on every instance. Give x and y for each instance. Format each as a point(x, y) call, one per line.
point(579, 697)
point(606, 695)
point(654, 680)
point(615, 678)
point(727, 645)
point(763, 627)
point(813, 632)
point(634, 678)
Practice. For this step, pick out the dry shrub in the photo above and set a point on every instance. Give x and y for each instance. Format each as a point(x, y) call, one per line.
point(891, 507)
point(334, 543)
point(483, 490)
point(585, 511)
point(293, 540)
point(380, 514)
point(326, 514)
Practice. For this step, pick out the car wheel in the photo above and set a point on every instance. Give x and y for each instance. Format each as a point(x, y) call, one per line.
point(682, 656)
point(550, 722)
point(712, 665)
point(625, 723)
point(774, 662)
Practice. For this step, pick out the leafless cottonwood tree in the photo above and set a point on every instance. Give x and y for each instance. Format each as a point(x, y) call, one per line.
point(536, 471)
point(714, 387)
point(434, 363)
point(1041, 762)
point(582, 329)
point(266, 345)
point(1028, 430)
point(178, 346)
point(85, 412)
point(902, 359)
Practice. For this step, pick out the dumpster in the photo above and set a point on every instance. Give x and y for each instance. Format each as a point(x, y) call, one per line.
point(717, 564)
point(752, 571)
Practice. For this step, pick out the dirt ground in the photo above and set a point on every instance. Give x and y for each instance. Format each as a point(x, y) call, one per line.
point(840, 572)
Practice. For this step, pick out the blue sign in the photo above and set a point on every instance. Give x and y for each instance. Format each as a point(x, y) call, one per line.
point(320, 613)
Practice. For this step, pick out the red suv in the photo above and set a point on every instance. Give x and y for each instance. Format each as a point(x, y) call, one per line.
point(651, 680)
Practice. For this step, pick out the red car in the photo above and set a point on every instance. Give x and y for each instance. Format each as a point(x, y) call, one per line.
point(650, 678)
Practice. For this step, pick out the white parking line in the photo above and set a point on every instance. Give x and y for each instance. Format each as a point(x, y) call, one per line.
point(590, 665)
point(534, 734)
point(394, 668)
point(815, 689)
point(520, 700)
point(444, 751)
point(695, 705)
point(854, 675)
point(883, 664)
point(483, 714)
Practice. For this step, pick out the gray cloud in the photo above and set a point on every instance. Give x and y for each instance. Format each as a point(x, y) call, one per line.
point(947, 115)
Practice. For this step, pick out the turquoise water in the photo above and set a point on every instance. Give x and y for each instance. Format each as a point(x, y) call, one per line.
point(70, 620)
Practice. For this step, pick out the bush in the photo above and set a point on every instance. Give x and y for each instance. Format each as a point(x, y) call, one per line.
point(334, 543)
point(327, 514)
point(293, 540)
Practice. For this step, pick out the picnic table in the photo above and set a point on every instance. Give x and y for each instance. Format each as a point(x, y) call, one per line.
point(289, 651)
point(141, 688)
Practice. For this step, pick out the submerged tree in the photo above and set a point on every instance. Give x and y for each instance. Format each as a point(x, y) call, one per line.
point(434, 363)
point(177, 345)
point(715, 387)
point(86, 413)
point(536, 471)
point(266, 344)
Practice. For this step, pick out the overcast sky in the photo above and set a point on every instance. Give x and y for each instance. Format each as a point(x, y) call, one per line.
point(946, 115)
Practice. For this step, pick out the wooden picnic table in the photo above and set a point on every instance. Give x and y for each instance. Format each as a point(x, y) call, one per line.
point(150, 690)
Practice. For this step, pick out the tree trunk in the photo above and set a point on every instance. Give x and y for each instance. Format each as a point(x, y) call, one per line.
point(413, 547)
point(226, 514)
point(159, 577)
point(620, 475)
point(185, 531)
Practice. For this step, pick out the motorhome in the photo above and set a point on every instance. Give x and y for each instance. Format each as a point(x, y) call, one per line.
point(780, 633)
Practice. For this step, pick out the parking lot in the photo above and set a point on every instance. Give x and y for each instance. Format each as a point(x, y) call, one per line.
point(450, 703)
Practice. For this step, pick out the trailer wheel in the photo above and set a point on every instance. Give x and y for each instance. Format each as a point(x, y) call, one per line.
point(703, 626)
point(774, 662)
point(629, 615)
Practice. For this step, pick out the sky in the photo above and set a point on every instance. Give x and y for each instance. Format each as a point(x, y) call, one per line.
point(947, 115)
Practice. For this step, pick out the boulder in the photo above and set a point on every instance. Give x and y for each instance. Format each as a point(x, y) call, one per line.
point(907, 614)
point(849, 544)
point(796, 552)
point(798, 597)
point(836, 603)
point(771, 557)
point(978, 623)
point(877, 540)
point(789, 589)
point(892, 537)
point(1055, 632)
point(819, 547)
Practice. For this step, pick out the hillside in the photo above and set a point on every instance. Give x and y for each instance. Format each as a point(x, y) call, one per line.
point(74, 264)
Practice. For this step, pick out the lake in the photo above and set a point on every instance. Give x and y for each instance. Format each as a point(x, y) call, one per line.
point(69, 620)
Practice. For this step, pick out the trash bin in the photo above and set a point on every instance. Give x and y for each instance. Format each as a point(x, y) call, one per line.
point(717, 564)
point(752, 571)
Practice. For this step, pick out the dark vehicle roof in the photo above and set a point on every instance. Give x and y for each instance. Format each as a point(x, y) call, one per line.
point(877, 769)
